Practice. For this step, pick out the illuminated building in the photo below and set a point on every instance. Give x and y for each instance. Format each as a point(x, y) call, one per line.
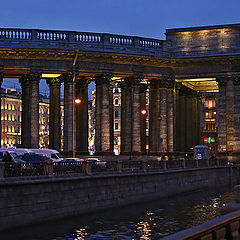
point(208, 126)
point(11, 108)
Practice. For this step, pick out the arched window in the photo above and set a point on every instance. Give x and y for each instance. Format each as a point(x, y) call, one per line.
point(116, 101)
point(116, 114)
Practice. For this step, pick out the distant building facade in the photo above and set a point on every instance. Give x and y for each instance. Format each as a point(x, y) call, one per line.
point(11, 118)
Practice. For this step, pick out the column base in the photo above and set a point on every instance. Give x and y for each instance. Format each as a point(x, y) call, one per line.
point(222, 155)
point(103, 154)
point(80, 153)
point(132, 154)
point(235, 157)
point(67, 154)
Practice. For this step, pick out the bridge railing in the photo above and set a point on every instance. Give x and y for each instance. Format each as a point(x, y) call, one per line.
point(226, 227)
point(89, 167)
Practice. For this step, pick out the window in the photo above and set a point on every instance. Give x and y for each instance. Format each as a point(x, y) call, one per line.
point(210, 103)
point(116, 114)
point(116, 102)
point(116, 126)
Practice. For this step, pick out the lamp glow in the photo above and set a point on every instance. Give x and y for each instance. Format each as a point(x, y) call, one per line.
point(77, 100)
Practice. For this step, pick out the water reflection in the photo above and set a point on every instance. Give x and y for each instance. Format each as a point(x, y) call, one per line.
point(146, 221)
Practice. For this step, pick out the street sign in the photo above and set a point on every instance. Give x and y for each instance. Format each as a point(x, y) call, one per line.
point(205, 140)
point(209, 140)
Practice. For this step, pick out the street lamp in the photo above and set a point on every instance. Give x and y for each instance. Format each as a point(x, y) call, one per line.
point(77, 101)
point(143, 111)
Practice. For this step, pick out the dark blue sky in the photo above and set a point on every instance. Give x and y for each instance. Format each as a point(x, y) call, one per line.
point(145, 18)
point(148, 18)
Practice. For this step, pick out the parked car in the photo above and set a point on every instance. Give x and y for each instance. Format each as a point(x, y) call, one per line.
point(33, 158)
point(52, 154)
point(72, 160)
point(13, 154)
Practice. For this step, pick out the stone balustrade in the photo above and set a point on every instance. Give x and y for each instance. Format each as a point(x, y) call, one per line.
point(72, 40)
point(223, 228)
point(178, 43)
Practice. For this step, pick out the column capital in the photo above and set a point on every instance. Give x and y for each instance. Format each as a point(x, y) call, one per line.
point(153, 83)
point(66, 77)
point(26, 79)
point(103, 79)
point(236, 81)
point(82, 82)
point(222, 81)
point(143, 87)
point(178, 86)
point(132, 81)
point(54, 82)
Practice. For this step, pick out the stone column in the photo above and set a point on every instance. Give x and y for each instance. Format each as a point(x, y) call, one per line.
point(177, 114)
point(143, 88)
point(1, 130)
point(67, 78)
point(182, 120)
point(136, 137)
point(34, 108)
point(104, 115)
point(82, 116)
point(230, 104)
point(30, 110)
point(126, 116)
point(221, 115)
point(154, 116)
point(54, 117)
point(166, 86)
point(189, 120)
point(163, 122)
point(236, 145)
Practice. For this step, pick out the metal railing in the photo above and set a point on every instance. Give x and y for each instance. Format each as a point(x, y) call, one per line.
point(8, 170)
point(226, 227)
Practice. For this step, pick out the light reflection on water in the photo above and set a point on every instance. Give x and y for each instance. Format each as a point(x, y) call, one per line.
point(146, 221)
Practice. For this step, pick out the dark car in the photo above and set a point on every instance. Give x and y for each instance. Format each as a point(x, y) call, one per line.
point(33, 158)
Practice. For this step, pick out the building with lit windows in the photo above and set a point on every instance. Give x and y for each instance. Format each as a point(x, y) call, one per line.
point(208, 127)
point(11, 118)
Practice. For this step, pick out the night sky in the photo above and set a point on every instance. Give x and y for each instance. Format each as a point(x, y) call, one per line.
point(145, 18)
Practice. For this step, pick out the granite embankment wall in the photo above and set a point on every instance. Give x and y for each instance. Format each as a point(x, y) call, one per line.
point(32, 200)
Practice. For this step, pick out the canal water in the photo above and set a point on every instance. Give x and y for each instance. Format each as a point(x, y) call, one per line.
point(148, 220)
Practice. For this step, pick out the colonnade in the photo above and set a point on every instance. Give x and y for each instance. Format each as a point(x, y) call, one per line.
point(174, 121)
point(228, 115)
